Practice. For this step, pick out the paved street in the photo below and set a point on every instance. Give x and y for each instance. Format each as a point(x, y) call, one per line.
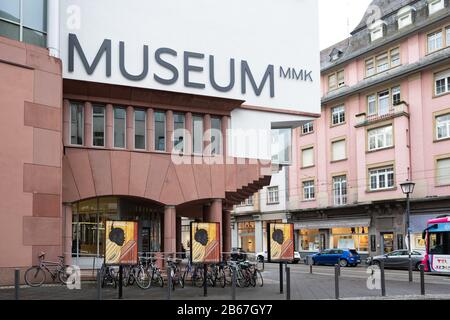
point(305, 286)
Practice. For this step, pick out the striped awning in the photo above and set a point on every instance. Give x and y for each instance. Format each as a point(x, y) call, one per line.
point(330, 224)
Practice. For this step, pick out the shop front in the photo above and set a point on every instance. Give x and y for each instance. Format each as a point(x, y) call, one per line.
point(88, 226)
point(315, 236)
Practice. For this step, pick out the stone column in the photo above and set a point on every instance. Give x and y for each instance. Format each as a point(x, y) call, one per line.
point(150, 130)
point(67, 234)
point(178, 236)
point(109, 126)
point(226, 230)
point(214, 214)
point(169, 131)
point(170, 231)
point(87, 124)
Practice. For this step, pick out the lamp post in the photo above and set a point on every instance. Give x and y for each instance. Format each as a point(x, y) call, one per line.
point(408, 189)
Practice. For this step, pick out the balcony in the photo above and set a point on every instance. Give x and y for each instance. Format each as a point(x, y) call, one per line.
point(398, 110)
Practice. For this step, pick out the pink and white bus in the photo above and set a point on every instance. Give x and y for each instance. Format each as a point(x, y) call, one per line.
point(437, 238)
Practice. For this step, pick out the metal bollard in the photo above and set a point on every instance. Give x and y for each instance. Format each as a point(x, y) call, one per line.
point(233, 283)
point(288, 283)
point(281, 278)
point(205, 280)
point(422, 279)
point(383, 279)
point(99, 285)
point(120, 282)
point(16, 283)
point(169, 283)
point(336, 281)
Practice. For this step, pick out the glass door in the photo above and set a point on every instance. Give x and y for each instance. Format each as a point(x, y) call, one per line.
point(387, 242)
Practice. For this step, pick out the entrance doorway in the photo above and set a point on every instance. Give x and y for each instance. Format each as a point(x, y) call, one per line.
point(387, 242)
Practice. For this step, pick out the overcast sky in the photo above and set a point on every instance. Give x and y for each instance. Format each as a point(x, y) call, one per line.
point(338, 18)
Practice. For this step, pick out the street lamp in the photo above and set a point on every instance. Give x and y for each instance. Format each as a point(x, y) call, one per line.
point(408, 189)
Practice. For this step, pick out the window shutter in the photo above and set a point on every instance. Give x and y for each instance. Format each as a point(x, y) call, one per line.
point(308, 157)
point(338, 149)
point(443, 171)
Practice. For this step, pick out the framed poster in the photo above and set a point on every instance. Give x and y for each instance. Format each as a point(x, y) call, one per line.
point(280, 242)
point(205, 243)
point(121, 245)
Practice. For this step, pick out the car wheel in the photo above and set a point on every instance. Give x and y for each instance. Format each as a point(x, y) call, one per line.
point(418, 264)
point(343, 263)
point(376, 263)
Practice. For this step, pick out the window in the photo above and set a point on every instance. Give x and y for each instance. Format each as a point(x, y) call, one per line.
point(395, 57)
point(340, 190)
point(382, 62)
point(381, 179)
point(24, 20)
point(443, 126)
point(120, 127)
point(308, 157)
point(160, 131)
point(337, 115)
point(354, 238)
point(447, 35)
point(98, 126)
point(308, 190)
point(336, 80)
point(442, 82)
point(396, 96)
point(435, 5)
point(197, 134)
point(216, 136)
point(308, 127)
point(443, 172)
point(281, 146)
point(380, 138)
point(338, 150)
point(272, 195)
point(435, 41)
point(370, 69)
point(380, 104)
point(140, 119)
point(383, 102)
point(76, 124)
point(178, 134)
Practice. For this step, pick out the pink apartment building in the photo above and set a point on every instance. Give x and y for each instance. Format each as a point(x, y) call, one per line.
point(385, 119)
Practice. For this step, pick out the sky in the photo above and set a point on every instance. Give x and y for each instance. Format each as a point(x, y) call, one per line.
point(338, 18)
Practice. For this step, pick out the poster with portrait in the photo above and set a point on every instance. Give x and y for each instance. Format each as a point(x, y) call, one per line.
point(280, 242)
point(205, 243)
point(121, 245)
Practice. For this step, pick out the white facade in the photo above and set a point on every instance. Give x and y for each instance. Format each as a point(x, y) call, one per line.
point(250, 51)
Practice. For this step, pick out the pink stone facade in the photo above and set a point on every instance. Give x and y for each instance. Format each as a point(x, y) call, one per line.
point(413, 154)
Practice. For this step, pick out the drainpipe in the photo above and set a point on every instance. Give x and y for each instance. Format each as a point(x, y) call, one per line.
point(53, 28)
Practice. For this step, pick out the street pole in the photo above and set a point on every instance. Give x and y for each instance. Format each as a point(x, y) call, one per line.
point(409, 238)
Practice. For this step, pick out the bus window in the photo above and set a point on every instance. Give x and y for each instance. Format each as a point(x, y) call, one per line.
point(440, 243)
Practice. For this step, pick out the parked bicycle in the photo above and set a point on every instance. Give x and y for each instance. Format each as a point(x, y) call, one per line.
point(36, 275)
point(176, 274)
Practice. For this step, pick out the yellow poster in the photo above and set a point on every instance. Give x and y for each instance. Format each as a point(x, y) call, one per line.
point(121, 245)
point(280, 242)
point(205, 240)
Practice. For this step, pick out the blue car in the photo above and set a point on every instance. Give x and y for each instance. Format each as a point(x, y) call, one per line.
point(343, 257)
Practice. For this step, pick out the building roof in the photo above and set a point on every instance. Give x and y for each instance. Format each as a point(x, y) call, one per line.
point(387, 7)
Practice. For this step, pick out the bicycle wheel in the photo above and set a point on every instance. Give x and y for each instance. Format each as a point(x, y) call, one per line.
point(143, 279)
point(258, 278)
point(63, 277)
point(197, 280)
point(240, 281)
point(221, 278)
point(35, 277)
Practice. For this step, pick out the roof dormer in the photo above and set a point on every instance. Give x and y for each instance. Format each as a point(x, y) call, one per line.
point(405, 16)
point(377, 30)
point(435, 6)
point(335, 54)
